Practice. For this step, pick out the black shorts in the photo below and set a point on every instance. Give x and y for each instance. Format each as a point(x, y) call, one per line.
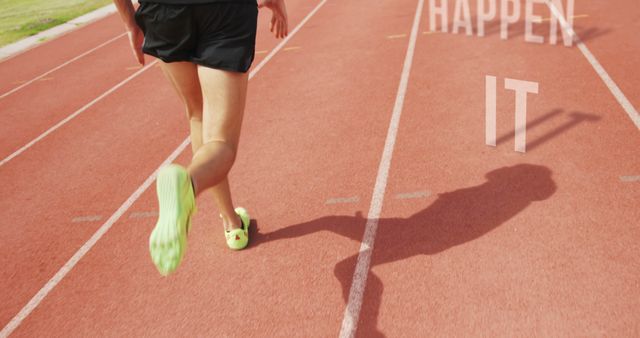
point(219, 35)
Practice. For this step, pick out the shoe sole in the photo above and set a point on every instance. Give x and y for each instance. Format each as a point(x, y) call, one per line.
point(168, 240)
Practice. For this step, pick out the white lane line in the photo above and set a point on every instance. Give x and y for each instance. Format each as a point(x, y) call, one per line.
point(35, 301)
point(143, 214)
point(630, 178)
point(86, 219)
point(283, 42)
point(352, 311)
point(415, 194)
point(60, 66)
point(44, 291)
point(608, 81)
point(342, 200)
point(76, 113)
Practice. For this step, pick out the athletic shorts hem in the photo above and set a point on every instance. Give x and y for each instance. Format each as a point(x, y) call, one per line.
point(224, 67)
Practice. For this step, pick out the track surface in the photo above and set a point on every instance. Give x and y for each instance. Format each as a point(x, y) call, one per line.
point(471, 239)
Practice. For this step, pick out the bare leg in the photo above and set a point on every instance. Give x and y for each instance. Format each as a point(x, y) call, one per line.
point(224, 95)
point(185, 79)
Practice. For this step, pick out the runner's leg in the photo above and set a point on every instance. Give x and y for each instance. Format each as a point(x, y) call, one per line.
point(184, 78)
point(224, 95)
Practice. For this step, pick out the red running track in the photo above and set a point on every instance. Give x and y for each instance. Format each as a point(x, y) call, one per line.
point(471, 239)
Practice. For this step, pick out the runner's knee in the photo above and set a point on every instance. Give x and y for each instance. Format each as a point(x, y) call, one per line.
point(227, 150)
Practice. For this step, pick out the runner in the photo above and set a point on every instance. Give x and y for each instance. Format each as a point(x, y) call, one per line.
point(205, 49)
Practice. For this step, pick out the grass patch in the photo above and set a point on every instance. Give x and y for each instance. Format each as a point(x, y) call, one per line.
point(22, 18)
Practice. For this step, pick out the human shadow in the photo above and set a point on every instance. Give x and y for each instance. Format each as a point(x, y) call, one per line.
point(454, 218)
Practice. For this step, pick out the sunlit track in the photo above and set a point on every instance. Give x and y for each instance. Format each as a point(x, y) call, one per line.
point(60, 66)
point(75, 114)
point(35, 301)
point(356, 292)
point(495, 175)
point(602, 73)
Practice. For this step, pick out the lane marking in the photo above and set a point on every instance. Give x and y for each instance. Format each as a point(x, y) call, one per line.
point(76, 113)
point(630, 178)
point(286, 39)
point(35, 301)
point(397, 36)
point(132, 68)
point(352, 310)
point(428, 32)
point(415, 194)
point(608, 81)
point(46, 79)
point(44, 291)
point(143, 214)
point(86, 219)
point(291, 48)
point(572, 17)
point(61, 65)
point(342, 200)
point(262, 52)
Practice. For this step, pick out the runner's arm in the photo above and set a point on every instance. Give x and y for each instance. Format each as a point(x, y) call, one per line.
point(136, 37)
point(279, 21)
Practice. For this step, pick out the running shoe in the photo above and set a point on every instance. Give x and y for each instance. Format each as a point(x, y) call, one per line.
point(237, 239)
point(168, 240)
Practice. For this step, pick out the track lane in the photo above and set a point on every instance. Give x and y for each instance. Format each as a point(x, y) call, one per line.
point(54, 183)
point(503, 242)
point(446, 133)
point(309, 133)
point(86, 169)
point(42, 58)
point(33, 110)
point(63, 93)
point(611, 33)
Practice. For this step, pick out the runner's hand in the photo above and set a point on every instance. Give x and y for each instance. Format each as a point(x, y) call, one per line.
point(279, 22)
point(136, 38)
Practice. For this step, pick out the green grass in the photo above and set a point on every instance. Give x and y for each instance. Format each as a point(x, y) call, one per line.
point(22, 18)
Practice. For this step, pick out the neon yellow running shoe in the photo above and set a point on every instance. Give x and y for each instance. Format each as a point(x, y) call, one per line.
point(237, 239)
point(168, 240)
